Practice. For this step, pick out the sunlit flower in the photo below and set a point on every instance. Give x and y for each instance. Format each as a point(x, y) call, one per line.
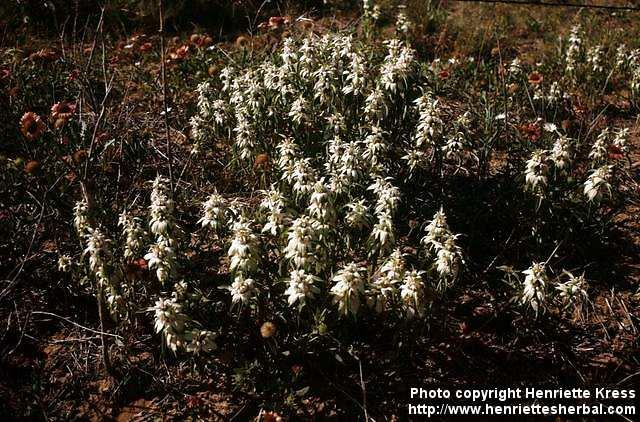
point(170, 321)
point(242, 289)
point(268, 329)
point(358, 216)
point(574, 290)
point(536, 172)
point(597, 185)
point(561, 153)
point(133, 232)
point(64, 263)
point(81, 217)
point(162, 258)
point(302, 286)
point(413, 293)
point(348, 288)
point(214, 212)
point(535, 287)
point(437, 231)
point(244, 251)
point(383, 287)
point(599, 151)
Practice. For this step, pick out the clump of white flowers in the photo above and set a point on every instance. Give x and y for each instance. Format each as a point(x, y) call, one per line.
point(396, 67)
point(561, 153)
point(302, 286)
point(597, 186)
point(620, 140)
point(244, 252)
point(277, 219)
point(599, 152)
point(302, 245)
point(388, 197)
point(535, 175)
point(441, 243)
point(162, 255)
point(371, 10)
point(358, 216)
point(595, 58)
point(81, 217)
point(383, 287)
point(100, 265)
point(161, 219)
point(242, 289)
point(430, 125)
point(572, 53)
point(214, 212)
point(449, 258)
point(534, 288)
point(321, 204)
point(64, 263)
point(298, 111)
point(348, 287)
point(573, 292)
point(413, 293)
point(403, 24)
point(170, 321)
point(99, 254)
point(134, 234)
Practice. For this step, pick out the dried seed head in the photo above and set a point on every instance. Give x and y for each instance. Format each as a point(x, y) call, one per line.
point(268, 329)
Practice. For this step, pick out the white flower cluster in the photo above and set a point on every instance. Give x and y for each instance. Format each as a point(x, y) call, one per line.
point(574, 290)
point(597, 186)
point(599, 150)
point(403, 24)
point(214, 212)
point(303, 245)
point(348, 287)
point(383, 287)
point(383, 235)
point(371, 10)
point(331, 184)
point(302, 286)
point(534, 289)
point(134, 234)
point(439, 240)
point(81, 218)
point(162, 255)
point(430, 125)
point(244, 254)
point(536, 292)
point(174, 326)
point(574, 48)
point(396, 67)
point(109, 284)
point(535, 175)
point(595, 57)
point(414, 294)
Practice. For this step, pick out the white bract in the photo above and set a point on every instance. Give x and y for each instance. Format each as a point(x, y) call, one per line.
point(597, 186)
point(302, 286)
point(534, 289)
point(348, 287)
point(413, 293)
point(133, 232)
point(214, 212)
